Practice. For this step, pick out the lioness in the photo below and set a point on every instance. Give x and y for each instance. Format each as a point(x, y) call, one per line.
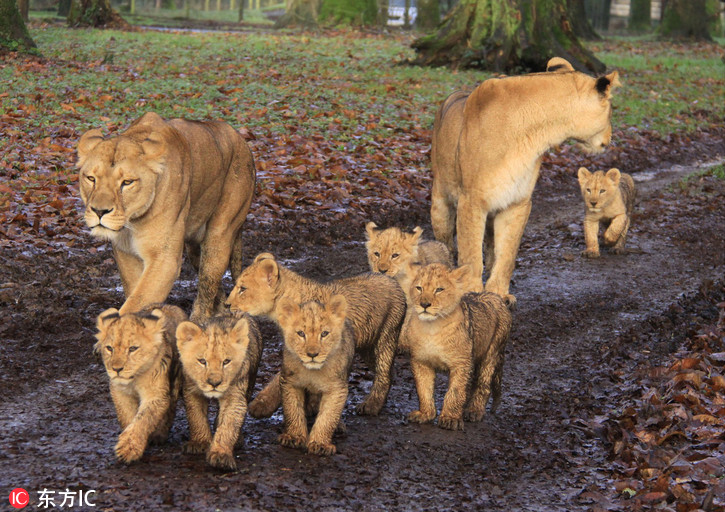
point(486, 152)
point(318, 351)
point(609, 198)
point(462, 334)
point(375, 309)
point(160, 185)
point(139, 353)
point(220, 360)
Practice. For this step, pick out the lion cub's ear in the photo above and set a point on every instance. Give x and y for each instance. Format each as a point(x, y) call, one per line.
point(270, 272)
point(87, 143)
point(461, 276)
point(558, 65)
point(288, 308)
point(105, 319)
point(584, 175)
point(186, 332)
point(614, 175)
point(338, 307)
point(417, 233)
point(370, 228)
point(240, 333)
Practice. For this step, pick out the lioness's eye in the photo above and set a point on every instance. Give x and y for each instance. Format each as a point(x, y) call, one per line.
point(132, 349)
point(395, 255)
point(91, 179)
point(226, 362)
point(376, 254)
point(109, 348)
point(438, 290)
point(602, 191)
point(242, 289)
point(201, 361)
point(301, 334)
point(324, 334)
point(126, 183)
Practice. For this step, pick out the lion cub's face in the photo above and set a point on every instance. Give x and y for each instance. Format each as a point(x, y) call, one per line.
point(390, 251)
point(436, 291)
point(117, 180)
point(598, 189)
point(313, 330)
point(255, 291)
point(213, 354)
point(130, 344)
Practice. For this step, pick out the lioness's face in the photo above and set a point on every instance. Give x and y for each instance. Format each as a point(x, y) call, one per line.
point(390, 250)
point(436, 291)
point(313, 330)
point(117, 182)
point(129, 345)
point(595, 118)
point(213, 355)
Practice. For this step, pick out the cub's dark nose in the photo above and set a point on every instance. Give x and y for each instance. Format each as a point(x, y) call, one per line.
point(383, 270)
point(425, 305)
point(312, 355)
point(118, 370)
point(213, 381)
point(101, 213)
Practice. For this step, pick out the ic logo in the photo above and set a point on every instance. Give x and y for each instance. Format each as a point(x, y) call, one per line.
point(19, 497)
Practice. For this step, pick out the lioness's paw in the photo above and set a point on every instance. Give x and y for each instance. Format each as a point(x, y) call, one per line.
point(292, 441)
point(260, 407)
point(590, 253)
point(129, 448)
point(450, 422)
point(221, 460)
point(317, 448)
point(369, 407)
point(195, 447)
point(419, 417)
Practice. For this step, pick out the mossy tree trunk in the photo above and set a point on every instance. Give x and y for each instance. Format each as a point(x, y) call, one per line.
point(13, 32)
point(95, 13)
point(579, 21)
point(429, 14)
point(685, 19)
point(640, 15)
point(349, 12)
point(505, 36)
point(300, 13)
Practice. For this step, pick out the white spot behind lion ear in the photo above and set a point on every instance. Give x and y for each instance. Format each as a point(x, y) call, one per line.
point(558, 65)
point(583, 174)
point(370, 228)
point(186, 332)
point(87, 143)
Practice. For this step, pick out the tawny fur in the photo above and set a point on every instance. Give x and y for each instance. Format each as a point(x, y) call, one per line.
point(318, 354)
point(163, 184)
point(375, 309)
point(220, 359)
point(139, 353)
point(486, 152)
point(609, 199)
point(463, 334)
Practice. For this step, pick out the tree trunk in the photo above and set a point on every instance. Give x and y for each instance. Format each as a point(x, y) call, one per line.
point(13, 32)
point(685, 19)
point(349, 12)
point(640, 18)
point(95, 13)
point(505, 35)
point(383, 12)
point(429, 14)
point(300, 13)
point(23, 7)
point(64, 8)
point(579, 21)
point(598, 13)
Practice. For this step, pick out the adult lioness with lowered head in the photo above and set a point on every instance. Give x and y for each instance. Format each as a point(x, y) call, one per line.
point(486, 153)
point(163, 184)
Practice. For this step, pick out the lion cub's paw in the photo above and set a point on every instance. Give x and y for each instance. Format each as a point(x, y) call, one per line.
point(473, 415)
point(510, 301)
point(221, 459)
point(195, 447)
point(419, 417)
point(619, 250)
point(317, 448)
point(450, 422)
point(590, 254)
point(261, 407)
point(292, 441)
point(369, 408)
point(129, 448)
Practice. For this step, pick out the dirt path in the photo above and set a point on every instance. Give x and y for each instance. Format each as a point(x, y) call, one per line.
point(58, 427)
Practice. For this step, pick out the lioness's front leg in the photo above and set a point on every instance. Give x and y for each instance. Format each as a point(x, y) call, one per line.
point(328, 417)
point(424, 377)
point(232, 409)
point(130, 267)
point(508, 228)
point(442, 217)
point(295, 421)
point(132, 441)
point(470, 225)
point(591, 233)
point(197, 414)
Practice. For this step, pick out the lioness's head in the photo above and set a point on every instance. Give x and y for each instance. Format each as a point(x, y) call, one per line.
point(118, 175)
point(212, 354)
point(131, 344)
point(313, 330)
point(436, 290)
point(598, 189)
point(255, 291)
point(390, 250)
point(593, 105)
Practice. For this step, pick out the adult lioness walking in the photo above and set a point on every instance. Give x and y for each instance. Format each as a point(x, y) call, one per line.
point(486, 153)
point(160, 185)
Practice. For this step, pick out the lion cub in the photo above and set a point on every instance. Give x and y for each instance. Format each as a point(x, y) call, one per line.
point(609, 198)
point(375, 308)
point(318, 351)
point(220, 359)
point(461, 333)
point(139, 353)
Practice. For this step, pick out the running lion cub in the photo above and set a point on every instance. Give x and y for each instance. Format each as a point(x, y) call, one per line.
point(609, 198)
point(392, 252)
point(461, 333)
point(139, 353)
point(220, 359)
point(318, 351)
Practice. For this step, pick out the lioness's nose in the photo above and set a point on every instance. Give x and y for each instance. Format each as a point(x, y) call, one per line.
point(214, 381)
point(101, 213)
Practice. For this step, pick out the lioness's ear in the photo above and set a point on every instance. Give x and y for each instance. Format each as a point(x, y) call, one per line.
point(605, 84)
point(338, 306)
point(417, 233)
point(558, 65)
point(614, 175)
point(270, 272)
point(87, 143)
point(584, 174)
point(240, 333)
point(153, 146)
point(185, 332)
point(370, 228)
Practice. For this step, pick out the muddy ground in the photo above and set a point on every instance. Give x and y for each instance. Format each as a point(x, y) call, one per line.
point(58, 426)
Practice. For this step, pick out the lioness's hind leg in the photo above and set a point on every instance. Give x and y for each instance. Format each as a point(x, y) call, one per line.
point(215, 252)
point(443, 219)
point(489, 245)
point(470, 225)
point(235, 262)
